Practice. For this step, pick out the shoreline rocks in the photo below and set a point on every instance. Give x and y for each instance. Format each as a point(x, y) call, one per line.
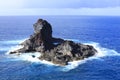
point(55, 50)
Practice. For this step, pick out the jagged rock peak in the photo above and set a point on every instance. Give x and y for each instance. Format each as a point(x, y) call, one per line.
point(44, 28)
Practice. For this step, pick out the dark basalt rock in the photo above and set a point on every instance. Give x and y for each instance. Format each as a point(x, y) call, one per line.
point(55, 50)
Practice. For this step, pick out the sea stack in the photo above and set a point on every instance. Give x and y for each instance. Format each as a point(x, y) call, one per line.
point(55, 50)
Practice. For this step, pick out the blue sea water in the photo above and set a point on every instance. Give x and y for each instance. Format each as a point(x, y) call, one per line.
point(103, 32)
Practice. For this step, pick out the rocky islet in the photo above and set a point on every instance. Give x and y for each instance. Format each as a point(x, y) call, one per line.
point(55, 50)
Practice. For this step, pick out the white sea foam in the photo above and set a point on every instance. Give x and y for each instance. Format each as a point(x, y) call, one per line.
point(31, 57)
point(13, 48)
point(102, 52)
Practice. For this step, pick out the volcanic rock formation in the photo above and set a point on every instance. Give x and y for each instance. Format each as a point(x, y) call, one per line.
point(55, 50)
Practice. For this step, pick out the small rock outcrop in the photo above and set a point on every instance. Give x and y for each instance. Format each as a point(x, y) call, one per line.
point(56, 50)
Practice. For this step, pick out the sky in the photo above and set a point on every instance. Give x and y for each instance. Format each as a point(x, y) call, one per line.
point(60, 7)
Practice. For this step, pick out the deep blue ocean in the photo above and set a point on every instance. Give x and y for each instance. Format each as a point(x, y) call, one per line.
point(103, 32)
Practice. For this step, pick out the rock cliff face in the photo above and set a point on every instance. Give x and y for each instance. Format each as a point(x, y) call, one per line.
point(52, 49)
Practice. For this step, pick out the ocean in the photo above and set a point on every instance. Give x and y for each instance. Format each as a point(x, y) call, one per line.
point(103, 32)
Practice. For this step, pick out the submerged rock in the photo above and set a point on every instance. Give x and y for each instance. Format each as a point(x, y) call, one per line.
point(52, 49)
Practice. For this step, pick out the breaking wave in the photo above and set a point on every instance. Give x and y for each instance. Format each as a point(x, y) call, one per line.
point(102, 52)
point(33, 57)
